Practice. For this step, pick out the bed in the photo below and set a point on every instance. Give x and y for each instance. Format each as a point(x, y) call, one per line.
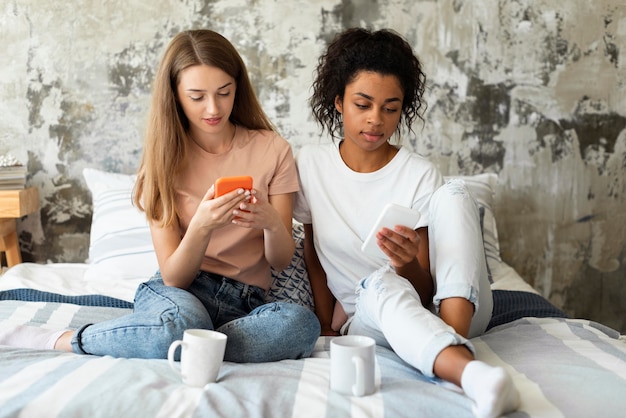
point(562, 366)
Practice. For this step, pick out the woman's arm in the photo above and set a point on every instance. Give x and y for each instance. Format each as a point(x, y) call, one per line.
point(278, 238)
point(179, 257)
point(408, 252)
point(273, 215)
point(324, 300)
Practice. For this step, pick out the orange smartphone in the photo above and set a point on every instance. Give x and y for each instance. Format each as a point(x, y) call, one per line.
point(224, 185)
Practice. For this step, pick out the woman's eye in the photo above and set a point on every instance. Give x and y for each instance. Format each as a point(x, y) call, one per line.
point(195, 98)
point(361, 106)
point(224, 94)
point(389, 110)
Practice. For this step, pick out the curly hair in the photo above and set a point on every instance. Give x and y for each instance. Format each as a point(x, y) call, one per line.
point(355, 50)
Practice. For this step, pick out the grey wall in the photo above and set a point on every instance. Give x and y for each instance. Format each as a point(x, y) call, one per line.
point(534, 90)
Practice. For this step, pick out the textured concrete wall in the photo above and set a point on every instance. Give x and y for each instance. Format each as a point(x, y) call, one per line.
point(534, 90)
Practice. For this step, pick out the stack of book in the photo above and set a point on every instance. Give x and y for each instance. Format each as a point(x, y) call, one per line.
point(12, 173)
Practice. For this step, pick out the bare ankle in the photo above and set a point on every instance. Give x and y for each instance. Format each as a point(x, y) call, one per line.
point(451, 362)
point(64, 342)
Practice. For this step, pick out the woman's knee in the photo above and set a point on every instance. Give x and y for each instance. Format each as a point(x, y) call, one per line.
point(176, 310)
point(454, 229)
point(388, 284)
point(175, 324)
point(454, 194)
point(309, 321)
point(272, 332)
point(299, 322)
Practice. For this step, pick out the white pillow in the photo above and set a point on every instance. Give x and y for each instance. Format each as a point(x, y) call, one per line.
point(120, 242)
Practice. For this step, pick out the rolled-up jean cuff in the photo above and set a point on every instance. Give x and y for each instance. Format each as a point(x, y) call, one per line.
point(346, 326)
point(77, 347)
point(436, 346)
point(456, 290)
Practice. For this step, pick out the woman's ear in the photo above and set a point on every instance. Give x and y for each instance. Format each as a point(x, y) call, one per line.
point(338, 104)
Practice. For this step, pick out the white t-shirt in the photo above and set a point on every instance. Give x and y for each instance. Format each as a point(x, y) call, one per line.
point(343, 205)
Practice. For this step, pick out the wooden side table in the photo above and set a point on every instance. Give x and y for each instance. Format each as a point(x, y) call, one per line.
point(14, 204)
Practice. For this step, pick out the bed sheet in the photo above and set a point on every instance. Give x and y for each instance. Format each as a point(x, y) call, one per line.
point(71, 279)
point(69, 283)
point(548, 358)
point(562, 367)
point(67, 279)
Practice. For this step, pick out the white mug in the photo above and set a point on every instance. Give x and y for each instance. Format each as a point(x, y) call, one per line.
point(352, 365)
point(201, 356)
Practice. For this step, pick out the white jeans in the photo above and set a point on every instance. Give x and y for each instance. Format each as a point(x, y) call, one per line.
point(389, 309)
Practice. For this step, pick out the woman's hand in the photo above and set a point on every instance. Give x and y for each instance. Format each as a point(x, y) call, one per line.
point(257, 213)
point(273, 215)
point(180, 257)
point(401, 244)
point(408, 254)
point(215, 212)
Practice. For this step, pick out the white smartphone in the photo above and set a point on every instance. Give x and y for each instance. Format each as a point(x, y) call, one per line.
point(392, 215)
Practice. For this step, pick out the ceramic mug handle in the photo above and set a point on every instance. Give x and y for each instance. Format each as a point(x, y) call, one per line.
point(358, 389)
point(170, 354)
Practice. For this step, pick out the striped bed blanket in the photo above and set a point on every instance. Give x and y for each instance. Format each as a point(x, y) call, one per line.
point(562, 367)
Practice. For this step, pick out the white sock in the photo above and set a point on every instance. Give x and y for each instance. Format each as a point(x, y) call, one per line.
point(26, 336)
point(491, 389)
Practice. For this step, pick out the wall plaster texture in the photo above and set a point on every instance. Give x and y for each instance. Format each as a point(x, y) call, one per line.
point(534, 90)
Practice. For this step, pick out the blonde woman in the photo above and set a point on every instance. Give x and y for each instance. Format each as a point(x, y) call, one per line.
point(214, 253)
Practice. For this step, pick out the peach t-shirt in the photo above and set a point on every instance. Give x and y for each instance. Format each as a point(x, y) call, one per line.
point(234, 251)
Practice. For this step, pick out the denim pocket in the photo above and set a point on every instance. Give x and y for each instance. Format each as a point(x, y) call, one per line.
point(254, 300)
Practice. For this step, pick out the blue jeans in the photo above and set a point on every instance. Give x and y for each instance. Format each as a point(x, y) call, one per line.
point(257, 331)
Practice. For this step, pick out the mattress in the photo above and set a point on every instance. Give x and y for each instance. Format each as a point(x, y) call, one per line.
point(562, 367)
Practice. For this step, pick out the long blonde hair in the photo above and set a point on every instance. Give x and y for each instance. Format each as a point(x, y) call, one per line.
point(165, 142)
